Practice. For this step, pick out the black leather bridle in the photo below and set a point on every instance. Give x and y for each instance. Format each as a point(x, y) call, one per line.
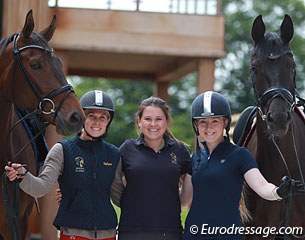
point(66, 88)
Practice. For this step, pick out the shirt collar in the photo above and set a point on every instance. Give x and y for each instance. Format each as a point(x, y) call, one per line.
point(223, 143)
point(167, 140)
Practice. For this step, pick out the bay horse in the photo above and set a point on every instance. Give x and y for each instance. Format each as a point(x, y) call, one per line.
point(278, 139)
point(31, 80)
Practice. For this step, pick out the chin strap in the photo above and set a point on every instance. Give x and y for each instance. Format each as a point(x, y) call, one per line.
point(94, 138)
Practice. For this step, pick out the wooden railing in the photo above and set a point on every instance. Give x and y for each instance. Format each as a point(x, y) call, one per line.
point(200, 7)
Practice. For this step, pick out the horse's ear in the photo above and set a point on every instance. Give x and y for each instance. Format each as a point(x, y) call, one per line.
point(287, 29)
point(49, 31)
point(258, 29)
point(28, 25)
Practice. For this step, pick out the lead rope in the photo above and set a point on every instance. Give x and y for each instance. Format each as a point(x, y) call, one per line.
point(300, 170)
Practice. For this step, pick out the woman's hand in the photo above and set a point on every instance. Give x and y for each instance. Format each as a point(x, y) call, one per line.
point(58, 196)
point(290, 186)
point(15, 171)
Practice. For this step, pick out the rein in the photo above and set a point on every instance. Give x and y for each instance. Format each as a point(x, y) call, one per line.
point(288, 200)
point(289, 99)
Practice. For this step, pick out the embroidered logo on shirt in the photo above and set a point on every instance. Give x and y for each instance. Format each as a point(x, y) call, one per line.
point(79, 164)
point(174, 158)
point(222, 161)
point(108, 164)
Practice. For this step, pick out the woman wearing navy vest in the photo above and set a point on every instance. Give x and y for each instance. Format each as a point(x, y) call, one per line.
point(84, 166)
point(219, 169)
point(152, 166)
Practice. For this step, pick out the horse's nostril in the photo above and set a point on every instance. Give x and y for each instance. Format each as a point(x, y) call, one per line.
point(75, 118)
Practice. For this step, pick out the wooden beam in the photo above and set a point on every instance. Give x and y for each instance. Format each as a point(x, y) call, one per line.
point(140, 32)
point(176, 70)
point(110, 74)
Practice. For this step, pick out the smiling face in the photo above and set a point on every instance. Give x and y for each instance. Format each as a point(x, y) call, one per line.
point(211, 130)
point(95, 123)
point(153, 124)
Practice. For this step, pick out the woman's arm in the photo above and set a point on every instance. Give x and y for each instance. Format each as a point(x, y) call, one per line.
point(41, 185)
point(259, 184)
point(186, 191)
point(118, 185)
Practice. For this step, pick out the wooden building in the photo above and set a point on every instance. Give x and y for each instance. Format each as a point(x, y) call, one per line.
point(127, 44)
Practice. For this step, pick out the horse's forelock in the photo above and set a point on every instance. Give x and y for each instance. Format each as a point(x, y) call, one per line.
point(36, 37)
point(271, 44)
point(39, 40)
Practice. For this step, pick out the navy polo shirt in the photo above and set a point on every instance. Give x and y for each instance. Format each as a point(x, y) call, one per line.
point(150, 201)
point(217, 186)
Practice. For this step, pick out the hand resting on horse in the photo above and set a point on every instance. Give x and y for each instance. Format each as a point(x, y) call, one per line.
point(290, 186)
point(15, 171)
point(58, 196)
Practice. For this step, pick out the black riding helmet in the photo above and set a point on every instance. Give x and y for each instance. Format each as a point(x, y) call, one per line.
point(210, 105)
point(98, 100)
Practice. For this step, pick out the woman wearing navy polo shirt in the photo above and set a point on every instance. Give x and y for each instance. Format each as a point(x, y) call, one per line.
point(153, 164)
point(219, 170)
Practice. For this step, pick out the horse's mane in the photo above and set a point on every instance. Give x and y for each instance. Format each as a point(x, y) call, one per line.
point(5, 41)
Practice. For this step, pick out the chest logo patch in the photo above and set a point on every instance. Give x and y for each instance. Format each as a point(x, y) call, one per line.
point(107, 164)
point(222, 161)
point(79, 164)
point(174, 158)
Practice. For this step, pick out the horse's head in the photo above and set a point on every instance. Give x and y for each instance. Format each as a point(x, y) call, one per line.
point(273, 75)
point(33, 79)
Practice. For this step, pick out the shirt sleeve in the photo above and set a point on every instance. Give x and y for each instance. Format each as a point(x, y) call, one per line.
point(247, 160)
point(51, 170)
point(186, 160)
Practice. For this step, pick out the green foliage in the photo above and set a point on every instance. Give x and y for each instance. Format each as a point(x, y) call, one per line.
point(183, 214)
point(233, 72)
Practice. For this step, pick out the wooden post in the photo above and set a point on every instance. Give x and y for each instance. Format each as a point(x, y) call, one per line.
point(206, 79)
point(161, 90)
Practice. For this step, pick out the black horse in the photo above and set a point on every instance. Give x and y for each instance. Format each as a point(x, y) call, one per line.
point(278, 138)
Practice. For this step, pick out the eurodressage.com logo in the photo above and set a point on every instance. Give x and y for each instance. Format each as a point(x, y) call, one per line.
point(204, 229)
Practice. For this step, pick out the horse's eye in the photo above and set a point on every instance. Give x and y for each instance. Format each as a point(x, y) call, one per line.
point(36, 65)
